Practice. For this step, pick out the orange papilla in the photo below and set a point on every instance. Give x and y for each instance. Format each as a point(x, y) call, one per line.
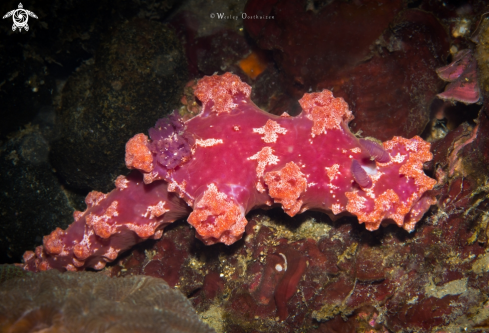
point(93, 198)
point(100, 224)
point(145, 230)
point(326, 111)
point(77, 263)
point(77, 215)
point(100, 227)
point(414, 166)
point(253, 65)
point(386, 205)
point(53, 244)
point(285, 186)
point(28, 255)
point(44, 266)
point(220, 90)
point(214, 214)
point(81, 252)
point(418, 152)
point(121, 182)
point(356, 207)
point(138, 155)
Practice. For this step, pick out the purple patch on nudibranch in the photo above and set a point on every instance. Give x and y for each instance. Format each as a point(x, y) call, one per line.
point(169, 142)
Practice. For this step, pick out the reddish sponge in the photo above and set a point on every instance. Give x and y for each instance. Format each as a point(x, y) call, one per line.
point(234, 157)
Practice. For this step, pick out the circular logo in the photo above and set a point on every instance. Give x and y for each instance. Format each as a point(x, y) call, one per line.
point(20, 17)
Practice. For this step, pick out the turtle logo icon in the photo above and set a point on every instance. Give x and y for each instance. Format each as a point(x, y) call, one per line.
point(20, 17)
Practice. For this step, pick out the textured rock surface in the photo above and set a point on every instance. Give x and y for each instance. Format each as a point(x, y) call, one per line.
point(482, 53)
point(305, 47)
point(403, 63)
point(136, 78)
point(90, 302)
point(386, 74)
point(8, 272)
point(31, 199)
